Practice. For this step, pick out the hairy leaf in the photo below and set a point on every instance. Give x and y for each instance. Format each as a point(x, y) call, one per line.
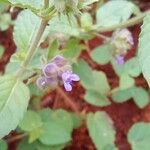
point(14, 97)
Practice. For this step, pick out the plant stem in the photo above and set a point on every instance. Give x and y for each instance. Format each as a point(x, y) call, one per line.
point(68, 100)
point(16, 138)
point(130, 22)
point(33, 47)
point(46, 3)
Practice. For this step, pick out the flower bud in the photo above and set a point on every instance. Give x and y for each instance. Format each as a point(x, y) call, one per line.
point(122, 40)
point(50, 70)
point(59, 61)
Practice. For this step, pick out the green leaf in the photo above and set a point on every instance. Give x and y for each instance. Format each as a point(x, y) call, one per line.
point(72, 49)
point(101, 130)
point(55, 129)
point(3, 145)
point(54, 134)
point(126, 81)
point(111, 16)
point(31, 121)
point(139, 136)
point(25, 145)
point(62, 25)
point(53, 48)
point(102, 54)
point(14, 97)
point(122, 95)
point(85, 73)
point(5, 21)
point(140, 96)
point(25, 28)
point(143, 51)
point(86, 20)
point(132, 67)
point(97, 99)
point(34, 5)
point(100, 83)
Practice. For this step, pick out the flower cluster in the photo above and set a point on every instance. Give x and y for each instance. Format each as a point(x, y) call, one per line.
point(123, 41)
point(57, 71)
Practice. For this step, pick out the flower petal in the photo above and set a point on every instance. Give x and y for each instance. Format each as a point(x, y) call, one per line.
point(50, 70)
point(67, 86)
point(74, 77)
point(41, 83)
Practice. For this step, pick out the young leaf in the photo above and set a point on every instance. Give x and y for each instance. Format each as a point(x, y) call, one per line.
point(101, 130)
point(102, 54)
point(96, 98)
point(143, 51)
point(3, 145)
point(14, 97)
point(111, 16)
point(139, 136)
point(24, 29)
point(126, 81)
point(132, 67)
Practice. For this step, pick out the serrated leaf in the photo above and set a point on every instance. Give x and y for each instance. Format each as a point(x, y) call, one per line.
point(14, 97)
point(54, 134)
point(143, 50)
point(85, 73)
point(100, 83)
point(139, 136)
point(111, 16)
point(138, 94)
point(102, 54)
point(34, 5)
point(97, 99)
point(101, 130)
point(3, 145)
point(31, 121)
point(55, 129)
point(25, 27)
point(62, 25)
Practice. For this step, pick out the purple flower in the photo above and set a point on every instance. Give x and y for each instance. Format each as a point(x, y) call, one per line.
point(68, 77)
point(50, 70)
point(43, 82)
point(59, 61)
point(120, 60)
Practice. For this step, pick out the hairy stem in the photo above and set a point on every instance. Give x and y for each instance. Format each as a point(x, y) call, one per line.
point(46, 3)
point(33, 47)
point(68, 100)
point(128, 23)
